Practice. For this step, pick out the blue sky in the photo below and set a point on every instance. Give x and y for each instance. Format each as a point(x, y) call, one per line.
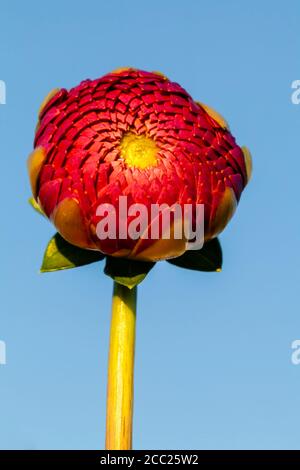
point(213, 355)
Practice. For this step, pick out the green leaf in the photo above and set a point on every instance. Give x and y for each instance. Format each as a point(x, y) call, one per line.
point(60, 254)
point(208, 259)
point(127, 272)
point(35, 206)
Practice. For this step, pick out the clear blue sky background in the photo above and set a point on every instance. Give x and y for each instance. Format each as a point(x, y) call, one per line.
point(213, 356)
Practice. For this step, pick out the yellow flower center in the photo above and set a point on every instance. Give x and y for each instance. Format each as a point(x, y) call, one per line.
point(138, 150)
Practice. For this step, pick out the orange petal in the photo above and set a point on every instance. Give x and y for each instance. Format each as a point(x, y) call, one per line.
point(68, 220)
point(215, 115)
point(248, 162)
point(44, 104)
point(123, 253)
point(47, 99)
point(122, 69)
point(224, 212)
point(34, 164)
point(160, 74)
point(160, 249)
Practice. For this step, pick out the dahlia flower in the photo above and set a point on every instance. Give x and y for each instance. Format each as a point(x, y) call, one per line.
point(136, 135)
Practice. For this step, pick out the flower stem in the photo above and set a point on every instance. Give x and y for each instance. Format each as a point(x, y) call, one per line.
point(119, 410)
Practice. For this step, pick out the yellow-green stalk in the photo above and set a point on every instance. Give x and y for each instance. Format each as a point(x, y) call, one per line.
point(120, 385)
